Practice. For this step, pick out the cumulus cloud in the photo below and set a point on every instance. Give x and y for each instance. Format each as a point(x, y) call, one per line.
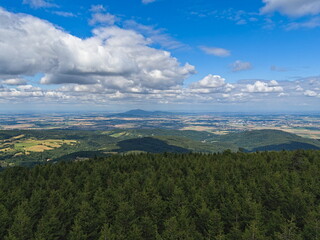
point(296, 8)
point(212, 89)
point(298, 88)
point(15, 81)
point(263, 87)
point(210, 84)
point(210, 81)
point(39, 3)
point(28, 88)
point(116, 65)
point(31, 93)
point(219, 52)
point(240, 66)
point(31, 45)
point(310, 93)
point(273, 83)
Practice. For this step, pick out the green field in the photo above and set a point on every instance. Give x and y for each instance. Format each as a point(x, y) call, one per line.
point(32, 145)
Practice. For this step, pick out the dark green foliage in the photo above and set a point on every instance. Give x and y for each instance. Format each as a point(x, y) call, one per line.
point(287, 146)
point(4, 220)
point(258, 196)
point(148, 144)
point(268, 140)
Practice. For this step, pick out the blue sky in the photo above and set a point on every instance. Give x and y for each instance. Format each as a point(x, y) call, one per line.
point(196, 55)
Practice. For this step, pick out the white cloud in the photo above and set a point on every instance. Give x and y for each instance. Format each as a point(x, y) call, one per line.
point(39, 3)
point(298, 88)
point(157, 36)
point(15, 81)
point(28, 88)
point(97, 8)
point(31, 45)
point(210, 81)
point(240, 66)
point(100, 16)
point(273, 83)
point(311, 23)
point(210, 84)
point(294, 8)
point(64, 14)
point(117, 65)
point(219, 52)
point(103, 18)
point(283, 94)
point(310, 93)
point(262, 87)
point(30, 93)
point(212, 89)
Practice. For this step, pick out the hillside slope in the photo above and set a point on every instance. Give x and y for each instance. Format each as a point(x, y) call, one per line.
point(29, 147)
point(261, 140)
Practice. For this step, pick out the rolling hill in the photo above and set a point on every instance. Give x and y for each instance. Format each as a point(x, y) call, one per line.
point(268, 140)
point(200, 141)
point(29, 147)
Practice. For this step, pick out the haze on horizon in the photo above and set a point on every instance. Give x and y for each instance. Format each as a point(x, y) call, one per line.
point(203, 55)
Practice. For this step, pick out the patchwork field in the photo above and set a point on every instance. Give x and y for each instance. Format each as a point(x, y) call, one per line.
point(32, 145)
point(305, 125)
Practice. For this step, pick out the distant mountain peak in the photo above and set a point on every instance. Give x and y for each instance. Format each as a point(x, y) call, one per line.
point(137, 111)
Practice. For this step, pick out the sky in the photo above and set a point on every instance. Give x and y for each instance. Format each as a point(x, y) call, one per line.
point(173, 55)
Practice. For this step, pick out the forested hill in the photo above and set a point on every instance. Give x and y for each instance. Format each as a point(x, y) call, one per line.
point(269, 140)
point(263, 195)
point(31, 147)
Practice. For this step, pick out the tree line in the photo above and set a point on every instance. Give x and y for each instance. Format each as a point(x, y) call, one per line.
point(263, 195)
